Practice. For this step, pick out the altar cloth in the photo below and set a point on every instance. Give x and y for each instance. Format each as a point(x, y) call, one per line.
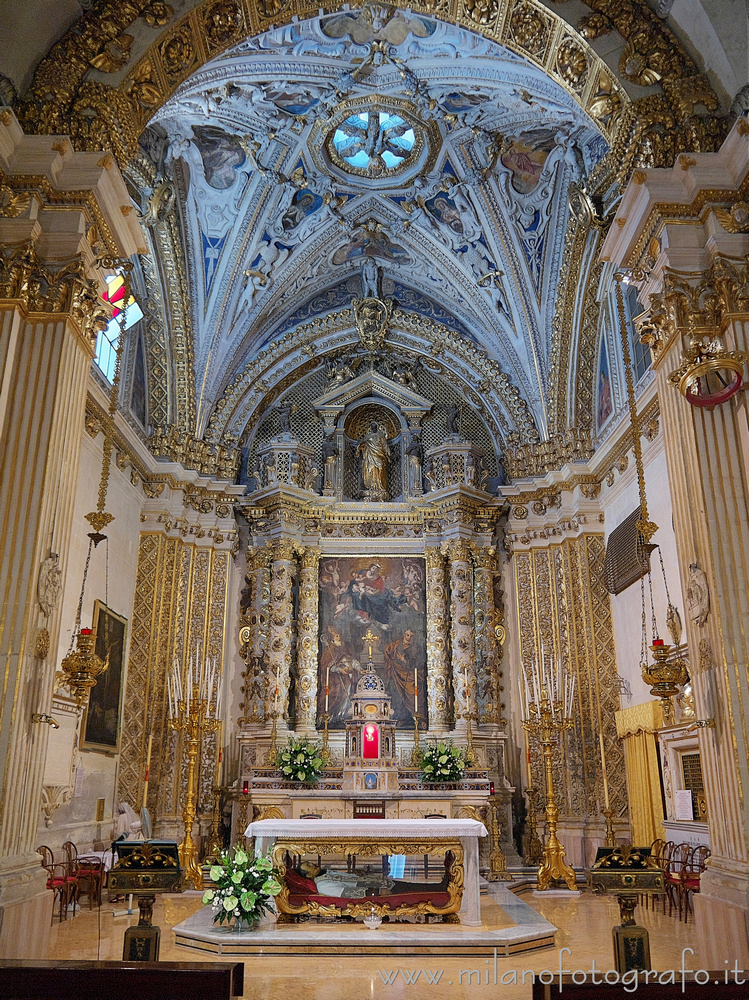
point(467, 831)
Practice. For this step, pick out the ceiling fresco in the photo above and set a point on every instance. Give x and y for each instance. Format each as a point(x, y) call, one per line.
point(358, 153)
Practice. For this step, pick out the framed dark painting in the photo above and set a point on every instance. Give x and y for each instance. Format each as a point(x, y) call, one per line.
point(380, 596)
point(101, 726)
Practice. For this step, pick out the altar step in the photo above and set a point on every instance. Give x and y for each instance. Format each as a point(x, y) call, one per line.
point(509, 927)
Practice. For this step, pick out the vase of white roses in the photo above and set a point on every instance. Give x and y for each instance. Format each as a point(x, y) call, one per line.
point(442, 763)
point(300, 760)
point(244, 887)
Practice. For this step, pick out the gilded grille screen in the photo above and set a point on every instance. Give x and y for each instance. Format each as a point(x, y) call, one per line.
point(627, 559)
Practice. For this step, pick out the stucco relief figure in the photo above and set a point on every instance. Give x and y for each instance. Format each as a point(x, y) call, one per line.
point(698, 595)
point(374, 453)
point(49, 584)
point(453, 419)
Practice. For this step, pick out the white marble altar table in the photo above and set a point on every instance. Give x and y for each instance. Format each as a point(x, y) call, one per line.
point(467, 831)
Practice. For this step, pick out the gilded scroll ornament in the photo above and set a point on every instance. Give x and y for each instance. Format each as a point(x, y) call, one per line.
point(307, 651)
point(178, 54)
point(462, 633)
point(438, 680)
point(12, 205)
point(114, 55)
point(733, 220)
point(372, 318)
point(594, 26)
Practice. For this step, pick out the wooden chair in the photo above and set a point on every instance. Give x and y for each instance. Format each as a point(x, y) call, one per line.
point(676, 867)
point(657, 849)
point(88, 871)
point(690, 877)
point(56, 881)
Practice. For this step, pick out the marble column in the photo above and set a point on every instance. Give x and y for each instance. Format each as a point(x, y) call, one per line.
point(462, 643)
point(487, 661)
point(283, 570)
point(694, 282)
point(306, 696)
point(50, 309)
point(438, 662)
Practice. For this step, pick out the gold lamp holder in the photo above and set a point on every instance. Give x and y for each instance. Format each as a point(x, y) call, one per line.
point(82, 666)
point(497, 861)
point(193, 720)
point(665, 678)
point(548, 721)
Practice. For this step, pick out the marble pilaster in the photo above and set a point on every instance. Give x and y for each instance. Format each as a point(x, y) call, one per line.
point(462, 640)
point(438, 663)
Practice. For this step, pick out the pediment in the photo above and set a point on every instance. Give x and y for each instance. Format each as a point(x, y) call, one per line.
point(370, 385)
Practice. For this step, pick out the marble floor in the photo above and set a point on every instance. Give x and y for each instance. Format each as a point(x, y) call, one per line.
point(583, 925)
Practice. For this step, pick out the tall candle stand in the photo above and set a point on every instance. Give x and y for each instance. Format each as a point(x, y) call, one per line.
point(271, 758)
point(194, 718)
point(416, 752)
point(535, 852)
point(326, 754)
point(549, 719)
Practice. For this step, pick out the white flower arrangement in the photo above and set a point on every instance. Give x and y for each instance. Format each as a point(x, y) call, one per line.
point(300, 760)
point(442, 762)
point(244, 887)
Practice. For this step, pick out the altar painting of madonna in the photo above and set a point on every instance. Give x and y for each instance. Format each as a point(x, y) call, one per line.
point(383, 596)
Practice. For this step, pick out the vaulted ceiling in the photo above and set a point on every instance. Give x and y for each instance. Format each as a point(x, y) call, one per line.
point(287, 162)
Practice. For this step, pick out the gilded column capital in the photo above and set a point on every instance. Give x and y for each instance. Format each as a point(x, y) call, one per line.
point(310, 556)
point(283, 549)
point(698, 303)
point(434, 557)
point(459, 551)
point(483, 556)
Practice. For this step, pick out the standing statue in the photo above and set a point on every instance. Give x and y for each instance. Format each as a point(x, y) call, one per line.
point(453, 418)
point(329, 454)
point(370, 279)
point(415, 452)
point(374, 452)
point(284, 416)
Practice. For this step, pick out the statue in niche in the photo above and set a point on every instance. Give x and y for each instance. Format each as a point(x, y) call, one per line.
point(431, 475)
point(374, 453)
point(453, 419)
point(415, 452)
point(284, 417)
point(329, 455)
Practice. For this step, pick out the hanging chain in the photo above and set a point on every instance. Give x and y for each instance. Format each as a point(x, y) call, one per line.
point(644, 636)
point(652, 606)
point(646, 527)
point(79, 611)
point(100, 518)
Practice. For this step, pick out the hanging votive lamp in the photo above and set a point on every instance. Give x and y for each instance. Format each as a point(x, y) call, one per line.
point(82, 666)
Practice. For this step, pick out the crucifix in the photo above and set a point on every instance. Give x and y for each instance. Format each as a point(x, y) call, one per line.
point(369, 638)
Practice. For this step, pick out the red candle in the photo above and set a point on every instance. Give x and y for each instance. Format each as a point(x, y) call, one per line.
point(491, 788)
point(658, 642)
point(86, 631)
point(245, 788)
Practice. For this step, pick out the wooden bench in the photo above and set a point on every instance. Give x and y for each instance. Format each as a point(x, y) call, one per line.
point(29, 980)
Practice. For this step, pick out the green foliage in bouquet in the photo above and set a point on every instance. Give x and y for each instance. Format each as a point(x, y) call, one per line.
point(244, 887)
point(442, 762)
point(300, 760)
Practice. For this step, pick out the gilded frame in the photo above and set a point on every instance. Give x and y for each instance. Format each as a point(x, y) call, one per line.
point(343, 846)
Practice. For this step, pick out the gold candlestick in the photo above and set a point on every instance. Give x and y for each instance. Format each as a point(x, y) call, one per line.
point(548, 720)
point(535, 853)
point(271, 758)
point(497, 861)
point(193, 720)
point(214, 845)
point(610, 835)
point(325, 755)
point(470, 754)
point(416, 752)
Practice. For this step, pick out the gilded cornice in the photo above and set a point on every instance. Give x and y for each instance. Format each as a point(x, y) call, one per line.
point(61, 100)
point(52, 197)
point(154, 483)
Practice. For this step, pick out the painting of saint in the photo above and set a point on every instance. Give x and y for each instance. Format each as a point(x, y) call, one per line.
point(221, 154)
point(526, 157)
point(303, 204)
point(444, 210)
point(383, 597)
point(368, 244)
point(101, 727)
point(605, 404)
